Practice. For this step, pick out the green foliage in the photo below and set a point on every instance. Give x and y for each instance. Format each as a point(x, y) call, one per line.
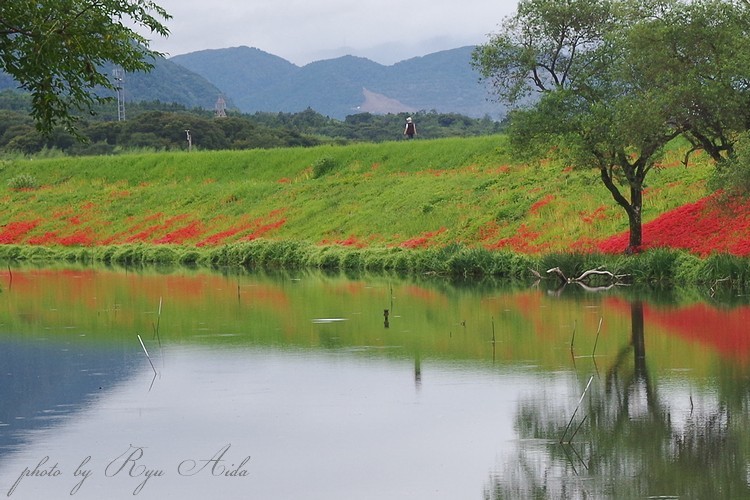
point(56, 50)
point(719, 268)
point(571, 264)
point(687, 268)
point(616, 82)
point(655, 266)
point(158, 126)
point(324, 166)
point(23, 181)
point(733, 174)
point(514, 209)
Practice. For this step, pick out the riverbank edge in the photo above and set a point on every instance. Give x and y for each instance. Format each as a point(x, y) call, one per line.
point(663, 267)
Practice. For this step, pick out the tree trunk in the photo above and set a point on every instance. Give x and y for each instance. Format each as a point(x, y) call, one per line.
point(632, 207)
point(635, 219)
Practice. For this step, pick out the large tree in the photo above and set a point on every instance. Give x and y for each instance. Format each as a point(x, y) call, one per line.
point(611, 82)
point(58, 50)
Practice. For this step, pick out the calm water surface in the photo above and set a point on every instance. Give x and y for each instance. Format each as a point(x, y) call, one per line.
point(299, 386)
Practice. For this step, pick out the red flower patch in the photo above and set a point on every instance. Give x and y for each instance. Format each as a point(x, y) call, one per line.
point(47, 238)
point(181, 235)
point(522, 241)
point(148, 233)
point(83, 238)
point(488, 231)
point(260, 231)
point(422, 241)
point(598, 214)
point(500, 170)
point(14, 232)
point(703, 227)
point(119, 194)
point(536, 207)
point(351, 241)
point(220, 237)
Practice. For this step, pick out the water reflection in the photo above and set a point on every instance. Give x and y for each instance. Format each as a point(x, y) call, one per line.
point(365, 387)
point(45, 380)
point(637, 439)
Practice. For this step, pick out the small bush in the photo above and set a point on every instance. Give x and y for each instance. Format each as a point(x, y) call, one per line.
point(687, 268)
point(471, 262)
point(376, 259)
point(161, 254)
point(329, 258)
point(323, 166)
point(719, 266)
point(656, 265)
point(353, 260)
point(23, 181)
point(284, 254)
point(190, 258)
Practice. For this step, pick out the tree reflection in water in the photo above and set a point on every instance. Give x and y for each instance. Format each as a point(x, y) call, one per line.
point(635, 439)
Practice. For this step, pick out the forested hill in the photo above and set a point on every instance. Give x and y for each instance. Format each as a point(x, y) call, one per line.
point(251, 80)
point(257, 81)
point(167, 82)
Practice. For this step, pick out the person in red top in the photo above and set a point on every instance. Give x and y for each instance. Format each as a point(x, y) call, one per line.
point(411, 129)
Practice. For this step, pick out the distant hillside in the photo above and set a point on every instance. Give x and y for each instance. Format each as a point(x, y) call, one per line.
point(167, 82)
point(171, 83)
point(252, 80)
point(257, 81)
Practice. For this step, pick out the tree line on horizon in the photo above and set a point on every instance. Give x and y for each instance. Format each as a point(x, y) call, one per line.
point(163, 127)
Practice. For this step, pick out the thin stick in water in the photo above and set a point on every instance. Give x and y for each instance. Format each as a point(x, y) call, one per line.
point(575, 325)
point(390, 288)
point(567, 428)
point(598, 331)
point(578, 428)
point(158, 320)
point(147, 356)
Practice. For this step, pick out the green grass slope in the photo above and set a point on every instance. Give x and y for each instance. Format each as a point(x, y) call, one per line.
point(408, 194)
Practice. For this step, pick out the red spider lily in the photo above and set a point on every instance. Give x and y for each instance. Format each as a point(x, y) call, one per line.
point(14, 232)
point(536, 207)
point(709, 225)
point(181, 235)
point(422, 241)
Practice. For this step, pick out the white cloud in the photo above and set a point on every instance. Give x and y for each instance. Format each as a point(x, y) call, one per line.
point(301, 31)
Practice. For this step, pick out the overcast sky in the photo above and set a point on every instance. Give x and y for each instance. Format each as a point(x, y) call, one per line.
point(302, 31)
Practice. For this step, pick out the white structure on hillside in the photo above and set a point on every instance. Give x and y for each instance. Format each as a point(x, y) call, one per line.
point(220, 109)
point(119, 76)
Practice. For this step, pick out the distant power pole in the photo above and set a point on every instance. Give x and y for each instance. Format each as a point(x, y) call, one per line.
point(220, 109)
point(119, 76)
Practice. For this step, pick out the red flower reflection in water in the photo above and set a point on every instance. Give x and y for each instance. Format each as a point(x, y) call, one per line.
point(725, 331)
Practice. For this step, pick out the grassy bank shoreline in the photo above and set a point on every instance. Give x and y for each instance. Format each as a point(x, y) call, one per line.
point(454, 207)
point(416, 194)
point(660, 267)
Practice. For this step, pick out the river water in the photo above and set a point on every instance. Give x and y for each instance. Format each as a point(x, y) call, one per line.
point(199, 384)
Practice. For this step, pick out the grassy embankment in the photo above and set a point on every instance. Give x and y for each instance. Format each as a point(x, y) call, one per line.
point(452, 206)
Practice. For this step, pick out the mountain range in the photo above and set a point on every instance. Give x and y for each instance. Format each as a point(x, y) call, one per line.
point(254, 80)
point(251, 80)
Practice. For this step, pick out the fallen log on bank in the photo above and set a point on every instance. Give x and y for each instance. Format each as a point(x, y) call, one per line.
point(586, 276)
point(594, 280)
